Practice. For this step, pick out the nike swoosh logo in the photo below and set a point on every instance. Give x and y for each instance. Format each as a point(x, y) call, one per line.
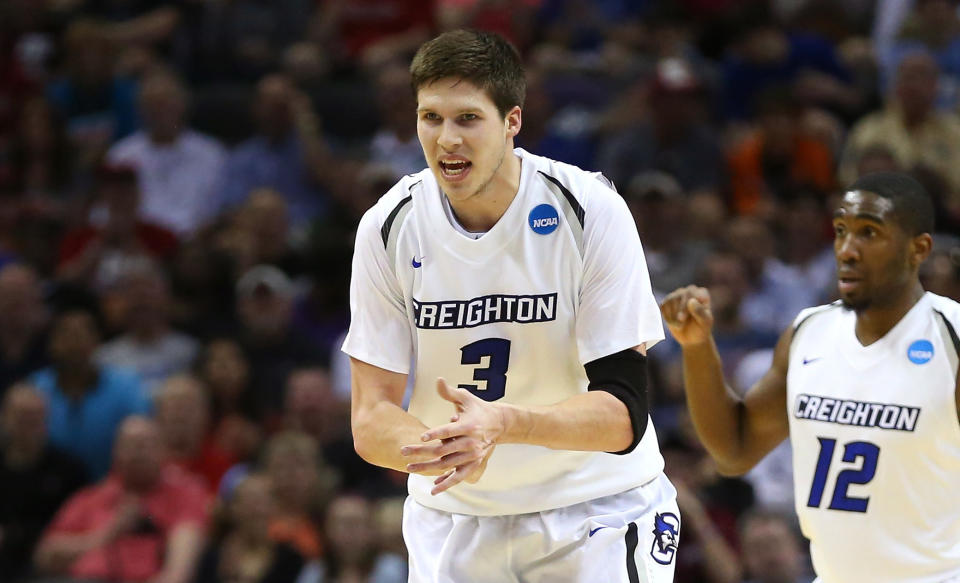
point(594, 531)
point(807, 361)
point(416, 263)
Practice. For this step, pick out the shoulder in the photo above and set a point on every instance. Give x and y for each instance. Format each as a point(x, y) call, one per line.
point(585, 191)
point(814, 313)
point(389, 212)
point(128, 148)
point(947, 308)
point(202, 143)
point(118, 380)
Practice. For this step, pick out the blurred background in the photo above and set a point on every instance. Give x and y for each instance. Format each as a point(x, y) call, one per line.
point(180, 181)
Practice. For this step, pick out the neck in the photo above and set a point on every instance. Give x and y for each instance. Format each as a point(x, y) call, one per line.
point(22, 455)
point(76, 381)
point(482, 211)
point(164, 138)
point(148, 333)
point(874, 322)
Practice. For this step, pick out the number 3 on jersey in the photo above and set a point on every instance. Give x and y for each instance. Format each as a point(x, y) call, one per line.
point(494, 375)
point(851, 451)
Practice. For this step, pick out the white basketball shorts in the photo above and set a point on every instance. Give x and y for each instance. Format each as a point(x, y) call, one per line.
point(629, 537)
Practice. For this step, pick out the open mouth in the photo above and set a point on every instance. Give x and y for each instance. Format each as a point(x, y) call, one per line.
point(454, 169)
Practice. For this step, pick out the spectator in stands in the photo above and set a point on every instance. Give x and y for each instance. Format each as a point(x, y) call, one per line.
point(301, 488)
point(243, 551)
point(145, 522)
point(311, 406)
point(661, 211)
point(367, 33)
point(710, 506)
point(86, 402)
point(934, 28)
point(23, 324)
point(772, 163)
point(352, 552)
point(395, 144)
point(288, 154)
point(772, 548)
point(40, 165)
point(148, 344)
point(35, 478)
point(910, 127)
point(263, 224)
point(777, 291)
point(237, 417)
point(98, 253)
point(177, 167)
point(763, 54)
point(99, 106)
point(674, 137)
point(183, 416)
point(265, 299)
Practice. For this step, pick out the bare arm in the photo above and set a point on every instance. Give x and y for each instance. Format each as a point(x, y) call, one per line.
point(459, 450)
point(736, 432)
point(183, 550)
point(380, 425)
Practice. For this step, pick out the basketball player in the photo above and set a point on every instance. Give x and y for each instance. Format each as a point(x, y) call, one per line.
point(517, 288)
point(867, 390)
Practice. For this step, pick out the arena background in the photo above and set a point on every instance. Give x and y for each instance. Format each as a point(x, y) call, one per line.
point(179, 186)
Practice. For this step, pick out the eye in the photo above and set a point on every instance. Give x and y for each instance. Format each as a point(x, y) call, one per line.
point(869, 232)
point(430, 116)
point(839, 230)
point(469, 117)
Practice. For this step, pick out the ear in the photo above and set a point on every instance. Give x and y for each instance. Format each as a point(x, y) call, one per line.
point(513, 121)
point(920, 248)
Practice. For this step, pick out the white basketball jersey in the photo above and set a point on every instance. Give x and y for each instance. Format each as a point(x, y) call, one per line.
point(876, 444)
point(559, 281)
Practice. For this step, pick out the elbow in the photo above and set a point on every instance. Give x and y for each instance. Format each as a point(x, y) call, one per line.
point(362, 444)
point(732, 466)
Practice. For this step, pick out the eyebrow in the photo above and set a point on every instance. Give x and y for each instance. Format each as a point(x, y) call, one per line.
point(840, 214)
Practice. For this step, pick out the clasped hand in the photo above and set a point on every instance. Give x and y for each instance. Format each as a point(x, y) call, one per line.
point(459, 450)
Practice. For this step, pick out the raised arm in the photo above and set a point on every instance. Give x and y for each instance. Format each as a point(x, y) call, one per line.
point(737, 432)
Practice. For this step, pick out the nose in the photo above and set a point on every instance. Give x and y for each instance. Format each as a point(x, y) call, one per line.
point(449, 138)
point(846, 249)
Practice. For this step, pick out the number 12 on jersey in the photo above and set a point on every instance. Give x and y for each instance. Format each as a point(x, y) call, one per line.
point(851, 451)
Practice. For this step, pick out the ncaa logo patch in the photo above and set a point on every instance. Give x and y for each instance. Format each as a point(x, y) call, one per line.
point(920, 352)
point(544, 219)
point(666, 534)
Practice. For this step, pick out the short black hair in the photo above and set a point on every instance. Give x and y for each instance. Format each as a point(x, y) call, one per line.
point(912, 204)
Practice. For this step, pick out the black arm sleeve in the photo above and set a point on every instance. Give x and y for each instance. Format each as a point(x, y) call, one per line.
point(623, 375)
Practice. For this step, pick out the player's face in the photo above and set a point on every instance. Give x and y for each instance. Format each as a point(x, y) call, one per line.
point(875, 267)
point(464, 137)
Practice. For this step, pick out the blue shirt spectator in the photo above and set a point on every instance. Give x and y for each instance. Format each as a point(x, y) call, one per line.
point(85, 426)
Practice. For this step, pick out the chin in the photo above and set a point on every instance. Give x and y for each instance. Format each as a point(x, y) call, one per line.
point(855, 304)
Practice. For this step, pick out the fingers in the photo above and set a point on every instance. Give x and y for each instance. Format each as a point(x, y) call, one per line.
point(685, 302)
point(453, 477)
point(447, 462)
point(456, 396)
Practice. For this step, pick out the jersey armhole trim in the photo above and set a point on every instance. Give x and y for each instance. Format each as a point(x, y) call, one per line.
point(392, 217)
point(946, 326)
point(578, 211)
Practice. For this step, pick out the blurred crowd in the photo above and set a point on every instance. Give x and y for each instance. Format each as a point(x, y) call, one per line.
point(179, 185)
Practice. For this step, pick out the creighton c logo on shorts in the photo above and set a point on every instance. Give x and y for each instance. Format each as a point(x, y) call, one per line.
point(666, 530)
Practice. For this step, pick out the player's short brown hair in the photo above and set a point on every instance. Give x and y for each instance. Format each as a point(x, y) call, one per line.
point(483, 58)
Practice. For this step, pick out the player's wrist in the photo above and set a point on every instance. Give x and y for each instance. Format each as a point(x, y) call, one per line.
point(512, 426)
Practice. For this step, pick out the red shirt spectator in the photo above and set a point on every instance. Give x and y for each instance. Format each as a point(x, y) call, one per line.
point(143, 521)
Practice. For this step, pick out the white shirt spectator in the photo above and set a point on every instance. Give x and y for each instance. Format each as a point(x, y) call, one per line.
point(171, 354)
point(177, 180)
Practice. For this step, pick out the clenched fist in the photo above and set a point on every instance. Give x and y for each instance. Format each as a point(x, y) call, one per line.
point(687, 314)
